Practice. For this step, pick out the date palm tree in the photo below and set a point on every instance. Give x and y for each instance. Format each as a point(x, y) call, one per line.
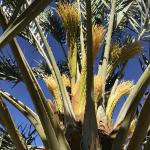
point(89, 84)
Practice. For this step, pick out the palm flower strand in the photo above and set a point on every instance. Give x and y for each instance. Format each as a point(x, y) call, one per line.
point(126, 52)
point(66, 80)
point(71, 19)
point(78, 101)
point(132, 127)
point(120, 54)
point(53, 87)
point(70, 16)
point(98, 82)
point(97, 34)
point(115, 52)
point(130, 50)
point(122, 89)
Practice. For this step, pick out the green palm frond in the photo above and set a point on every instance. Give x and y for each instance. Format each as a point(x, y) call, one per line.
point(8, 69)
point(48, 20)
point(24, 18)
point(51, 22)
point(27, 132)
point(42, 69)
point(6, 142)
point(99, 10)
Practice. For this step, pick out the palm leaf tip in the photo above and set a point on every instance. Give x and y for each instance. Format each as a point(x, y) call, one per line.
point(97, 34)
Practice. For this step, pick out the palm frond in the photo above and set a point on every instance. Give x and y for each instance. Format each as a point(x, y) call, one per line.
point(9, 70)
point(20, 22)
point(127, 112)
point(27, 132)
point(144, 62)
point(50, 21)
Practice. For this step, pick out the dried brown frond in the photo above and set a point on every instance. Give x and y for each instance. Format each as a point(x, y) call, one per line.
point(97, 34)
point(122, 89)
point(53, 88)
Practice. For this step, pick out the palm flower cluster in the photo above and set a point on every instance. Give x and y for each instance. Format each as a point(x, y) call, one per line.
point(120, 54)
point(97, 34)
point(129, 50)
point(71, 19)
point(53, 88)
